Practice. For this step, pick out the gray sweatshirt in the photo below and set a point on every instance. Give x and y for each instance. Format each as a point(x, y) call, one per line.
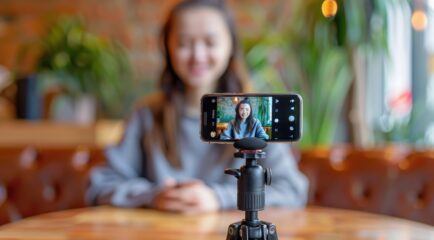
point(257, 131)
point(134, 174)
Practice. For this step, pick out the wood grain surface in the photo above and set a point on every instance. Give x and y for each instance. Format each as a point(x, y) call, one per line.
point(117, 223)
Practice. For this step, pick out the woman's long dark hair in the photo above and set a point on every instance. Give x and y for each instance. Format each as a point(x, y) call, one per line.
point(250, 120)
point(233, 79)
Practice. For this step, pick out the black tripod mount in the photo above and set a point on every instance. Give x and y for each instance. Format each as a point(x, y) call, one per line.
point(251, 192)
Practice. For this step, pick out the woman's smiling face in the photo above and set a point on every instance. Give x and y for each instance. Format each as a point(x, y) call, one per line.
point(200, 46)
point(244, 111)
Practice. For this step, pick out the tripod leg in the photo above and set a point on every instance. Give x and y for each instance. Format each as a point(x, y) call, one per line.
point(234, 231)
point(244, 232)
point(239, 231)
point(264, 231)
point(271, 231)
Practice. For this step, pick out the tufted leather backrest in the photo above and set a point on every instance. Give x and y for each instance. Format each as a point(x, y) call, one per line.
point(323, 168)
point(368, 175)
point(35, 181)
point(13, 163)
point(393, 181)
point(387, 181)
point(413, 194)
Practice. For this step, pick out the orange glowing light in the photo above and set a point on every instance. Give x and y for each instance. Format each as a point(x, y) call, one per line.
point(419, 20)
point(329, 8)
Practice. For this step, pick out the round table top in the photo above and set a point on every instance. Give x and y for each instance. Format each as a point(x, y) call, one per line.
point(118, 223)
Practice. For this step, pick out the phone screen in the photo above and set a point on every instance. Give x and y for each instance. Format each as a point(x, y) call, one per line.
point(271, 117)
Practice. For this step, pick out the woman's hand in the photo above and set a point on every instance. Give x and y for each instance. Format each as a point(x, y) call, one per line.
point(189, 198)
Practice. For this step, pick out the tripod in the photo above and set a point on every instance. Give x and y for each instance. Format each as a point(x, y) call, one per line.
point(251, 192)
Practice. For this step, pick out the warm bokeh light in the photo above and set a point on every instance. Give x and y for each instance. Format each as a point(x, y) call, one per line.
point(329, 8)
point(419, 20)
point(431, 64)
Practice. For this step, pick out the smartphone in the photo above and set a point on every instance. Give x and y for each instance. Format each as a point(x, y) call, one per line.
point(271, 117)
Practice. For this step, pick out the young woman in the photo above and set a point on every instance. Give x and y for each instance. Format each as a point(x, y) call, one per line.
point(244, 125)
point(161, 162)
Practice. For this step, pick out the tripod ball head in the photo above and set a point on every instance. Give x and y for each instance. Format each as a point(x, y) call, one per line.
point(252, 177)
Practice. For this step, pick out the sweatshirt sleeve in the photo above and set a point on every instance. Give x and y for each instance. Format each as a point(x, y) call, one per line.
point(226, 194)
point(119, 183)
point(289, 187)
point(226, 134)
point(259, 130)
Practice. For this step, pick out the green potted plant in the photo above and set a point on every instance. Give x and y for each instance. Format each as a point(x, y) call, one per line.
point(305, 52)
point(86, 67)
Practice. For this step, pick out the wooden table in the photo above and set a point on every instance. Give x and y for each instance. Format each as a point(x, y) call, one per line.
point(116, 223)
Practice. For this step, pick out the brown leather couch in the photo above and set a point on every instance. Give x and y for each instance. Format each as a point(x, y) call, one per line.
point(395, 181)
point(35, 181)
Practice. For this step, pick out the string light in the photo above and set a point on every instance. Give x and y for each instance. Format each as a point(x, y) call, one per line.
point(329, 8)
point(235, 100)
point(419, 20)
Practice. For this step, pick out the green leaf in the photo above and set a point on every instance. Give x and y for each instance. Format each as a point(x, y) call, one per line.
point(84, 63)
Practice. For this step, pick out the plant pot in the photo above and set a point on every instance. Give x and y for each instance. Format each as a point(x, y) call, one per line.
point(80, 109)
point(28, 99)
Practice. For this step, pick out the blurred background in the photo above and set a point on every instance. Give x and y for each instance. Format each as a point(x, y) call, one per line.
point(71, 70)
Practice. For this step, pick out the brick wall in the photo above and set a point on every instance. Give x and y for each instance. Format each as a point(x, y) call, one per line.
point(135, 23)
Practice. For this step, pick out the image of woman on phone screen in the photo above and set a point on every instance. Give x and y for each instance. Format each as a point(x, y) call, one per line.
point(244, 125)
point(161, 162)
